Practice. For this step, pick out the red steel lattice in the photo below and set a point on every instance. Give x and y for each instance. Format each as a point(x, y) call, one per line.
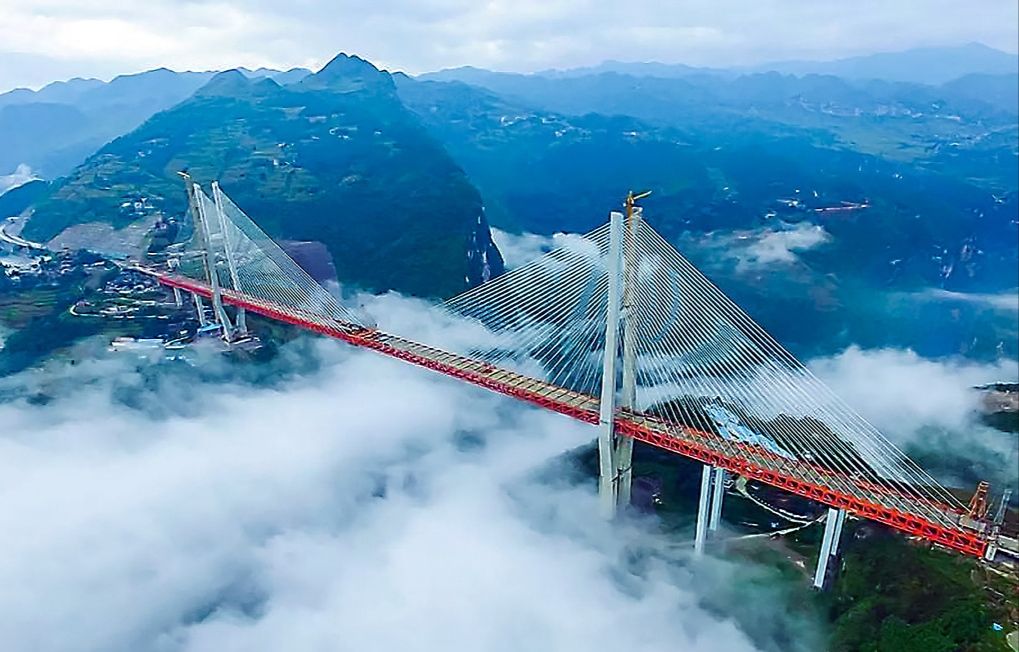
point(693, 443)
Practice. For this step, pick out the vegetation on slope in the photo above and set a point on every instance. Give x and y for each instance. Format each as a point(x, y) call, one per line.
point(749, 201)
point(334, 157)
point(895, 597)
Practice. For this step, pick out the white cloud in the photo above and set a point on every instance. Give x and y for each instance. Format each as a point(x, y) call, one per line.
point(781, 246)
point(21, 175)
point(1004, 301)
point(521, 248)
point(106, 38)
point(898, 389)
point(929, 408)
point(757, 249)
point(341, 508)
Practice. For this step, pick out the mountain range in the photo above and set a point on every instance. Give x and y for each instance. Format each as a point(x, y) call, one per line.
point(726, 154)
point(785, 214)
point(332, 157)
point(930, 65)
point(53, 129)
point(835, 199)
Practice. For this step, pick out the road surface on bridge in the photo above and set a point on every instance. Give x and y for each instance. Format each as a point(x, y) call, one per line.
point(886, 504)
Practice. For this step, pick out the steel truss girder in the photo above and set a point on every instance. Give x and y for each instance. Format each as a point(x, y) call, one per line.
point(627, 424)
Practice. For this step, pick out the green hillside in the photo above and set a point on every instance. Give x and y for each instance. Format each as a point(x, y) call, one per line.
point(824, 244)
point(334, 157)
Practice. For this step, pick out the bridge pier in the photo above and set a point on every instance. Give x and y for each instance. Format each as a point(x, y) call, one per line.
point(829, 544)
point(199, 309)
point(624, 471)
point(837, 536)
point(703, 510)
point(709, 504)
point(178, 300)
point(717, 496)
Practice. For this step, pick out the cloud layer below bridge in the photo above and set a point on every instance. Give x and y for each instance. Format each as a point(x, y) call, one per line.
point(930, 409)
point(333, 499)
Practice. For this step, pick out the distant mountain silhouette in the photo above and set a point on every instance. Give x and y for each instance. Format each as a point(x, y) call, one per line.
point(933, 65)
point(57, 127)
point(915, 185)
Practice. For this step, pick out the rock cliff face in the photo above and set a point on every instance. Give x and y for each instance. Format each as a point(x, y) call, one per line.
point(484, 261)
point(313, 257)
point(333, 158)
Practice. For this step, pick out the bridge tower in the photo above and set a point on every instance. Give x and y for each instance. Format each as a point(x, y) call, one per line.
point(999, 519)
point(607, 459)
point(615, 452)
point(979, 504)
point(231, 261)
point(203, 231)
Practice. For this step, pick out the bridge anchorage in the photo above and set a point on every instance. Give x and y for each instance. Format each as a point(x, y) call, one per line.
point(614, 328)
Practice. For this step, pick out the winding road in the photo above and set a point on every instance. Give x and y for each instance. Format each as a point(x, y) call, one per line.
point(17, 240)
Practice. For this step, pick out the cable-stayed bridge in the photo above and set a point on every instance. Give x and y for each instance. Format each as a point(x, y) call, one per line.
point(617, 329)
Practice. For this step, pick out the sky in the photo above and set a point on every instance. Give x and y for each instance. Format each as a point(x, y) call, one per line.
point(46, 40)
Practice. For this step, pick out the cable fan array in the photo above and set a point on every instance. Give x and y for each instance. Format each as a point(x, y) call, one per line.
point(243, 258)
point(546, 318)
point(695, 365)
point(701, 365)
point(704, 363)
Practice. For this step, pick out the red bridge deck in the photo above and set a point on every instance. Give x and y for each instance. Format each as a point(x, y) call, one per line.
point(883, 504)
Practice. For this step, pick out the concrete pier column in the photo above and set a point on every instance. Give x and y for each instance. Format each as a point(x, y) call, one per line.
point(832, 524)
point(717, 495)
point(703, 507)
